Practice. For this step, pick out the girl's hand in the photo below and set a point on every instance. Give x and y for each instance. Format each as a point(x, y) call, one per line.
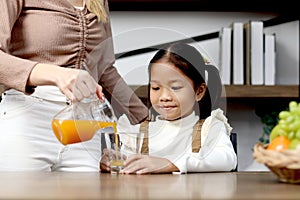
point(144, 164)
point(104, 162)
point(76, 84)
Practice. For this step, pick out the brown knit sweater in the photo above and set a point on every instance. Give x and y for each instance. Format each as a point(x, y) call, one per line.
point(53, 31)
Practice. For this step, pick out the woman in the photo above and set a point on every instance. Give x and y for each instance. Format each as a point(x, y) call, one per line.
point(53, 52)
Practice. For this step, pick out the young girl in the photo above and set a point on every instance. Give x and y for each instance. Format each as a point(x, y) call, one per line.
point(184, 137)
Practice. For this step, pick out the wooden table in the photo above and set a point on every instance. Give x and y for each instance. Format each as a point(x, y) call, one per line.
point(62, 185)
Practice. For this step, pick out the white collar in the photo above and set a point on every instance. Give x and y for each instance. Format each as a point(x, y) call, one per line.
point(182, 121)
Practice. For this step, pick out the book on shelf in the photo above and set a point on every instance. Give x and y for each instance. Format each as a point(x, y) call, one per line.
point(254, 53)
point(225, 35)
point(238, 53)
point(269, 58)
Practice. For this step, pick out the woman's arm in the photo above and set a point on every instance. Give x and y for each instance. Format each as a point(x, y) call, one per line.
point(14, 71)
point(123, 98)
point(75, 84)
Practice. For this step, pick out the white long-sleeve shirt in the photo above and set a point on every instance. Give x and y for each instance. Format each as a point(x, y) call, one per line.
point(173, 140)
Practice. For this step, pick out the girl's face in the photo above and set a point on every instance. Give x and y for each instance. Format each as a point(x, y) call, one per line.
point(172, 93)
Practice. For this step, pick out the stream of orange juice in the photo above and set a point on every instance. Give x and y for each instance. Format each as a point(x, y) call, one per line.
point(117, 163)
point(73, 131)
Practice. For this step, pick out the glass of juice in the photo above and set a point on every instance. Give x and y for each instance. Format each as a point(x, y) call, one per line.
point(120, 146)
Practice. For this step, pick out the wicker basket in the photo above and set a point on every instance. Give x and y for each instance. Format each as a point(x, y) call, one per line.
point(285, 164)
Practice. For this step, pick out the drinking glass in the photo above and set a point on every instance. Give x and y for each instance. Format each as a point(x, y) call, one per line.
point(120, 146)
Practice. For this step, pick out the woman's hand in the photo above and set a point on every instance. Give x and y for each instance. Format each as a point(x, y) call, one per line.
point(144, 164)
point(76, 84)
point(104, 162)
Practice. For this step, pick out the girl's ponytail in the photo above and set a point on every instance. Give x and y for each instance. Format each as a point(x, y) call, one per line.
point(214, 85)
point(212, 97)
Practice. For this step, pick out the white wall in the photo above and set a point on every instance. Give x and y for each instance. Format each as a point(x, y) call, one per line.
point(287, 50)
point(133, 30)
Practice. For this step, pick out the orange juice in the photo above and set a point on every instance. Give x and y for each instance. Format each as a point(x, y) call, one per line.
point(73, 131)
point(116, 166)
point(117, 162)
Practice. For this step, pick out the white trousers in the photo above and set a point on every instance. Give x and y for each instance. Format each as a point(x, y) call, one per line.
point(27, 142)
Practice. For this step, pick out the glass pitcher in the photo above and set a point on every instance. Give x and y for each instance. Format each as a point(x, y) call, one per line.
point(80, 121)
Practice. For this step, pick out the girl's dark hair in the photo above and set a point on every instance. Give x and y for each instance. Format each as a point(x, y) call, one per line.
point(189, 60)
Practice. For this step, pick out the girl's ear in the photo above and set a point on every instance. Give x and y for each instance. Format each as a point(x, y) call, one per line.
point(200, 92)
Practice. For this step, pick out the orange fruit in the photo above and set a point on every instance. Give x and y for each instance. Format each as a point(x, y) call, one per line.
point(279, 143)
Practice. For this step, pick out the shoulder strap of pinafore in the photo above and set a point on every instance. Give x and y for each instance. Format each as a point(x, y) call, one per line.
point(196, 137)
point(144, 129)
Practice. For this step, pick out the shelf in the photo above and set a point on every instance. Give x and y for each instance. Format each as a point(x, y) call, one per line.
point(244, 91)
point(254, 91)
